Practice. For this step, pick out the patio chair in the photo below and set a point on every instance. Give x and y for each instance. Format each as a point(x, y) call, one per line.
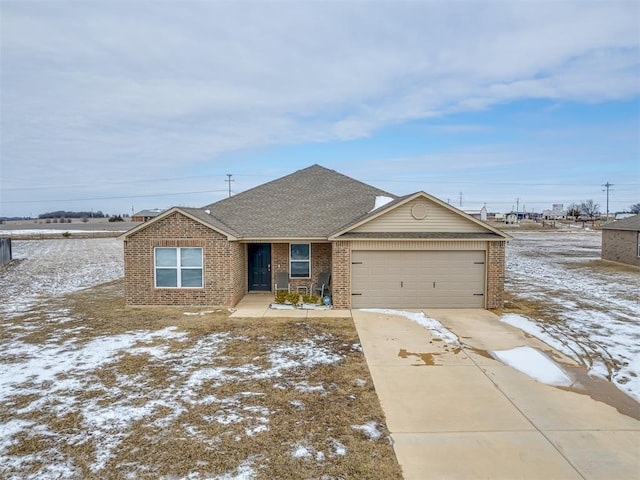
point(323, 288)
point(282, 281)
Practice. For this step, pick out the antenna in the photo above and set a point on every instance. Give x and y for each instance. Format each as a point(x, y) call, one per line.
point(228, 180)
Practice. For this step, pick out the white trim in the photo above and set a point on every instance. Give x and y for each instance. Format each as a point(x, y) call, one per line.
point(179, 268)
point(299, 261)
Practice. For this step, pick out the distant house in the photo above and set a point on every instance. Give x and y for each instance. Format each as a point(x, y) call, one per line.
point(556, 213)
point(479, 213)
point(621, 241)
point(146, 215)
point(381, 250)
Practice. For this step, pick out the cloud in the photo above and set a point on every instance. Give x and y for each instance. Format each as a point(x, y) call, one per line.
point(113, 88)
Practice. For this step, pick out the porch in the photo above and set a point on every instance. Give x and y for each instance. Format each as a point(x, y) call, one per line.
point(256, 305)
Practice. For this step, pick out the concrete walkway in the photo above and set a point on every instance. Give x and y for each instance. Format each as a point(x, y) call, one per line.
point(256, 305)
point(459, 414)
point(456, 413)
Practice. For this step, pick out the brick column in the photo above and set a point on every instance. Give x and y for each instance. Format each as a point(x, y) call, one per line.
point(495, 274)
point(341, 274)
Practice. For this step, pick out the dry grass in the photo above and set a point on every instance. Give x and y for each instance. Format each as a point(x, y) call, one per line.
point(240, 421)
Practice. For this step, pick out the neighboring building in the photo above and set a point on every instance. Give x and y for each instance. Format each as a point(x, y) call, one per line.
point(621, 241)
point(146, 215)
point(382, 250)
point(622, 216)
point(479, 213)
point(5, 250)
point(556, 213)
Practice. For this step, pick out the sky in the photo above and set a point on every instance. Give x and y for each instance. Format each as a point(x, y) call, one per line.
point(120, 106)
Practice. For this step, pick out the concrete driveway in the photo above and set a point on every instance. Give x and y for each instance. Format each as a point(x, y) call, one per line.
point(456, 413)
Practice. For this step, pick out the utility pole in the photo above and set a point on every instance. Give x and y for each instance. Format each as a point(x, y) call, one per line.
point(607, 186)
point(460, 198)
point(517, 208)
point(228, 180)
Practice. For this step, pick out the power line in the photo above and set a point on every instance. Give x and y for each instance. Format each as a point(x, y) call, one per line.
point(110, 198)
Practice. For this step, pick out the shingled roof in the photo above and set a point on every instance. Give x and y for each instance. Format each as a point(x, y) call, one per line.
point(631, 223)
point(309, 203)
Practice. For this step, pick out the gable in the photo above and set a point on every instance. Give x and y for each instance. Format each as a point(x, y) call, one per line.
point(421, 214)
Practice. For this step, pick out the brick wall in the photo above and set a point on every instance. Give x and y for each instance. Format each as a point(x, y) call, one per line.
point(495, 274)
point(341, 274)
point(320, 262)
point(620, 246)
point(224, 264)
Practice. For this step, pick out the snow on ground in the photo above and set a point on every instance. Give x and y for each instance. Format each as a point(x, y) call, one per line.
point(69, 372)
point(592, 308)
point(535, 364)
point(56, 377)
point(55, 267)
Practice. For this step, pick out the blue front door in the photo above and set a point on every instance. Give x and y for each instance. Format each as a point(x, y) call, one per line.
point(259, 267)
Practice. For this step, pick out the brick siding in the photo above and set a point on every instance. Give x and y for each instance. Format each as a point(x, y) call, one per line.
point(620, 246)
point(341, 274)
point(320, 262)
point(224, 270)
point(495, 274)
point(225, 266)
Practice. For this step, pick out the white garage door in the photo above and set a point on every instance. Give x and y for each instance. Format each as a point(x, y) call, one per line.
point(417, 279)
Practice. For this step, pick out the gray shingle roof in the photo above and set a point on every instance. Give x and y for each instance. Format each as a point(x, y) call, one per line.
point(631, 223)
point(208, 219)
point(309, 203)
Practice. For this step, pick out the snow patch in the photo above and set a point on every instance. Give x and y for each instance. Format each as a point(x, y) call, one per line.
point(381, 201)
point(370, 429)
point(535, 364)
point(434, 326)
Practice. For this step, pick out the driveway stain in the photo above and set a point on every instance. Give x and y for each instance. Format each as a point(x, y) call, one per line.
point(427, 358)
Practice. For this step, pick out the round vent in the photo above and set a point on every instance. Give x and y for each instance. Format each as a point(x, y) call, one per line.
point(419, 211)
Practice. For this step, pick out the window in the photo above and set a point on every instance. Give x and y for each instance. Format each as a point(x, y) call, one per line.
point(300, 260)
point(178, 267)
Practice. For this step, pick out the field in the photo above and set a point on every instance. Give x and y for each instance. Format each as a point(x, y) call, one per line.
point(91, 389)
point(560, 291)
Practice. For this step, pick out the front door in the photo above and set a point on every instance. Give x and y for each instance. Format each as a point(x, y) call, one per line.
point(259, 267)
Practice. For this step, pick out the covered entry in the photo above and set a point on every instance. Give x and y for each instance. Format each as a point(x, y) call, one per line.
point(418, 279)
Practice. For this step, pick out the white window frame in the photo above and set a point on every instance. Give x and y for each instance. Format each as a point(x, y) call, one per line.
point(179, 268)
point(291, 261)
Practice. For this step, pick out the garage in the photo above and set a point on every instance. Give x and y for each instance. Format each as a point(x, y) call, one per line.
point(418, 279)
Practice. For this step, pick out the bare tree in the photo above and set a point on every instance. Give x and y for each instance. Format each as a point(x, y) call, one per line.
point(590, 209)
point(635, 208)
point(574, 211)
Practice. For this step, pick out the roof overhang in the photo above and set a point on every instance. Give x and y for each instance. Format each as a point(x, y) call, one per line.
point(169, 212)
point(283, 240)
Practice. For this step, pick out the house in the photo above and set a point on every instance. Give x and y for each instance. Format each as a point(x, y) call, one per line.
point(556, 213)
point(621, 241)
point(480, 213)
point(146, 215)
point(382, 250)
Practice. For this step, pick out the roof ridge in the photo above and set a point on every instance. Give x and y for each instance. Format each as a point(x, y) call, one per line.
point(315, 166)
